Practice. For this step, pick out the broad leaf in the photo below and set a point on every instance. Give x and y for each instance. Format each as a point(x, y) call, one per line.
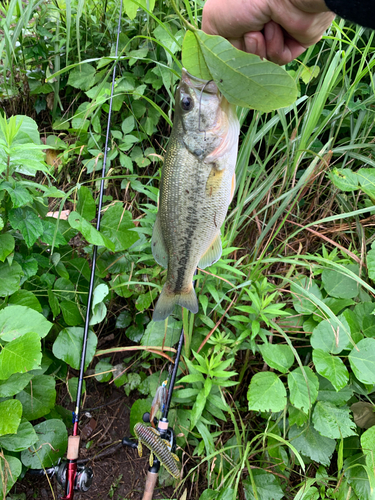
point(6, 245)
point(333, 422)
point(98, 307)
point(51, 445)
point(86, 203)
point(309, 442)
point(10, 277)
point(28, 223)
point(139, 407)
point(277, 356)
point(245, 79)
point(267, 486)
point(17, 320)
point(340, 285)
point(82, 77)
point(24, 437)
point(103, 370)
point(68, 346)
point(192, 57)
point(303, 388)
point(25, 298)
point(331, 367)
point(344, 178)
point(329, 336)
point(366, 177)
point(328, 393)
point(14, 384)
point(266, 393)
point(155, 333)
point(355, 471)
point(371, 262)
point(71, 314)
point(362, 361)
point(10, 469)
point(20, 355)
point(89, 232)
point(38, 397)
point(304, 304)
point(10, 416)
point(116, 224)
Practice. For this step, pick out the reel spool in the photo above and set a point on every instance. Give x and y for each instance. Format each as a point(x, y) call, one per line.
point(83, 478)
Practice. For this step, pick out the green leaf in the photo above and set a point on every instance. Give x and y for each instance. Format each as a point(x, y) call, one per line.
point(89, 232)
point(86, 203)
point(28, 223)
point(245, 79)
point(266, 393)
point(20, 355)
point(19, 195)
point(155, 332)
point(296, 417)
point(368, 447)
point(309, 73)
point(340, 285)
point(26, 299)
point(10, 277)
point(355, 471)
point(266, 484)
point(124, 319)
point(362, 361)
point(198, 407)
point(333, 422)
point(71, 314)
point(24, 437)
point(103, 366)
point(10, 416)
point(51, 445)
point(128, 124)
point(309, 442)
point(344, 179)
point(302, 304)
point(72, 387)
point(366, 177)
point(99, 309)
point(116, 225)
point(328, 393)
point(16, 321)
point(331, 368)
point(303, 393)
point(7, 244)
point(277, 356)
point(68, 346)
point(82, 76)
point(134, 381)
point(38, 397)
point(192, 57)
point(371, 262)
point(14, 384)
point(10, 469)
point(49, 237)
point(140, 407)
point(330, 337)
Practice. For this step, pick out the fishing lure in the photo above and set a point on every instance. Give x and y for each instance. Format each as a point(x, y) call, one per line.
point(159, 401)
point(159, 447)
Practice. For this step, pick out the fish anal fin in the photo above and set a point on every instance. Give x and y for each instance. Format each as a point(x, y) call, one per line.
point(159, 250)
point(213, 253)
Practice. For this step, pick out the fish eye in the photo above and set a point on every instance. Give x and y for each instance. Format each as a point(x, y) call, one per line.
point(187, 103)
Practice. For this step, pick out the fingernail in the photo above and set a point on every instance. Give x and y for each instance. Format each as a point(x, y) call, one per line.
point(252, 45)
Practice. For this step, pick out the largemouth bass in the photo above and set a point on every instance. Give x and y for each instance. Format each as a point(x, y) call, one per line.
point(197, 186)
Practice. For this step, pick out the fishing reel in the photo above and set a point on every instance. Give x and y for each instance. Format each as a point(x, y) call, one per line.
point(83, 478)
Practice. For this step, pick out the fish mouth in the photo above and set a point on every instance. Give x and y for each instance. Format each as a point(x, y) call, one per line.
point(208, 86)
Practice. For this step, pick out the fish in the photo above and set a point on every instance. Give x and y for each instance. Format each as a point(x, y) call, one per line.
point(196, 187)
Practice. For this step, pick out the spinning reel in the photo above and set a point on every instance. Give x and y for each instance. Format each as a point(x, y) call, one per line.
point(82, 480)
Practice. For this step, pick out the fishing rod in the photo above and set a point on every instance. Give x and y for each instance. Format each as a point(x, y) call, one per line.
point(71, 475)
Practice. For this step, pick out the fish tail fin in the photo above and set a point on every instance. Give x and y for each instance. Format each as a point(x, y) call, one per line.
point(165, 304)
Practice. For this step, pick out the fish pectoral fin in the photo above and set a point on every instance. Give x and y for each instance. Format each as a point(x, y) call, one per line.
point(233, 187)
point(159, 250)
point(213, 253)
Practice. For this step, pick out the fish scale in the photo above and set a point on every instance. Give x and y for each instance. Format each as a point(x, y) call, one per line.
point(196, 187)
point(159, 447)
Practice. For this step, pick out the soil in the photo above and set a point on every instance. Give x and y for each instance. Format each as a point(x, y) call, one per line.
point(121, 474)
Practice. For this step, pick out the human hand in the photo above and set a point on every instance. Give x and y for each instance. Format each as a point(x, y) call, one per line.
point(277, 30)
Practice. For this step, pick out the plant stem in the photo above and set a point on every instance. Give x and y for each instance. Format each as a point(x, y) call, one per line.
point(184, 21)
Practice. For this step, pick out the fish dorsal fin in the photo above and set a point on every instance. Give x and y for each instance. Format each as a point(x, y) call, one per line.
point(159, 250)
point(213, 253)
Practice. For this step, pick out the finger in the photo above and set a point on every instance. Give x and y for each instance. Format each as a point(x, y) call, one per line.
point(280, 48)
point(254, 43)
